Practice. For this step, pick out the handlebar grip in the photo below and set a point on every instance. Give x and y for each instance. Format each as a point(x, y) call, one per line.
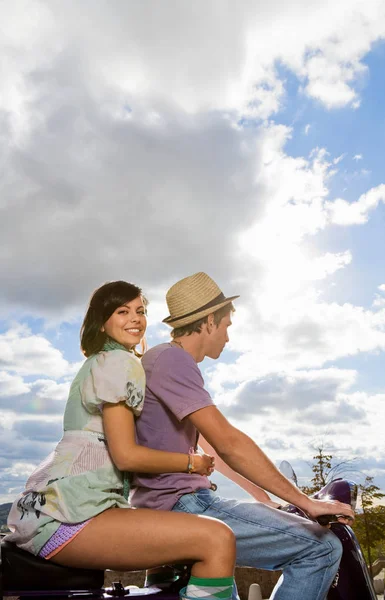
point(326, 519)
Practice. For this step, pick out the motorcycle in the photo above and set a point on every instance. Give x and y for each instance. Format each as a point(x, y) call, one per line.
point(353, 581)
point(26, 576)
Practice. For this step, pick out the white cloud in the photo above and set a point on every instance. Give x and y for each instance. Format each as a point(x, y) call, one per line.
point(45, 398)
point(329, 82)
point(12, 385)
point(357, 157)
point(300, 332)
point(46, 388)
point(339, 159)
point(225, 61)
point(267, 97)
point(26, 354)
point(379, 300)
point(109, 217)
point(292, 414)
point(41, 431)
point(290, 392)
point(355, 213)
point(107, 126)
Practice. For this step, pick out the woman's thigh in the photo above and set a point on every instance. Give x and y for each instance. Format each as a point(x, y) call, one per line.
point(129, 539)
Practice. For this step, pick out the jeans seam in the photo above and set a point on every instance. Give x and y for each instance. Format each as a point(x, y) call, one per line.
point(330, 565)
point(182, 507)
point(204, 505)
point(250, 522)
point(185, 507)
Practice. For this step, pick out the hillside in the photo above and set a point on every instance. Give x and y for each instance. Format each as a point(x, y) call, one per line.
point(4, 510)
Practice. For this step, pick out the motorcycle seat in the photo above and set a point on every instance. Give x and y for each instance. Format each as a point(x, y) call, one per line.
point(23, 572)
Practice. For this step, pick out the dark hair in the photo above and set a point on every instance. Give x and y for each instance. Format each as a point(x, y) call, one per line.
point(196, 327)
point(104, 301)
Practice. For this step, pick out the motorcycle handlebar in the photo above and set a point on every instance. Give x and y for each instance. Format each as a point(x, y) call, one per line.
point(326, 519)
point(323, 520)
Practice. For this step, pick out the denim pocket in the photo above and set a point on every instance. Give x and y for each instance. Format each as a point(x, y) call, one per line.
point(180, 506)
point(195, 503)
point(204, 498)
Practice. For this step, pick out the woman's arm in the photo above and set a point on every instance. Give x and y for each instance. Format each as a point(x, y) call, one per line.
point(127, 455)
point(254, 490)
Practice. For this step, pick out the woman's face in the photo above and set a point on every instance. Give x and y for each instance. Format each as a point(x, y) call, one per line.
point(127, 323)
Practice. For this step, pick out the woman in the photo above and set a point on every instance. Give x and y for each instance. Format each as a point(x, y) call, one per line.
point(74, 509)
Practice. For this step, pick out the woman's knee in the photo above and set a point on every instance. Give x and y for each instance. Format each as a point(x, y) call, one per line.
point(219, 534)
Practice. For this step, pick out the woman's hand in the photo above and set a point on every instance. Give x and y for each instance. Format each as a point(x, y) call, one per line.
point(202, 463)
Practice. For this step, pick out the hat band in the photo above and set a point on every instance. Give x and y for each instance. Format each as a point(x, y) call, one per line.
point(220, 298)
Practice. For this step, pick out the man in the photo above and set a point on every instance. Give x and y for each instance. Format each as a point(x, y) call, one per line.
point(177, 409)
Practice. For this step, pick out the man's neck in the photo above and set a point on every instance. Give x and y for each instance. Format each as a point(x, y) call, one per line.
point(193, 344)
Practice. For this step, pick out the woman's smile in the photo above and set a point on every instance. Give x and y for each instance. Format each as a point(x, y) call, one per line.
point(127, 324)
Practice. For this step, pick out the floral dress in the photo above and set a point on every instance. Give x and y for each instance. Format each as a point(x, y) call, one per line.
point(78, 480)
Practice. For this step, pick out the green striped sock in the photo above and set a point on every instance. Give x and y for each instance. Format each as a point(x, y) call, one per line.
point(220, 587)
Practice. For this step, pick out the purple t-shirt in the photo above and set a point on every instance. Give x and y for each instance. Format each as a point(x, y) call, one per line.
point(174, 390)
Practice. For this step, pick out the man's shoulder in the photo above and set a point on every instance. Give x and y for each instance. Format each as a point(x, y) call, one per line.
point(151, 356)
point(173, 376)
point(166, 352)
point(166, 360)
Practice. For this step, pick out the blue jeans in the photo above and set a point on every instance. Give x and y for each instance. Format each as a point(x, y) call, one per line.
point(307, 553)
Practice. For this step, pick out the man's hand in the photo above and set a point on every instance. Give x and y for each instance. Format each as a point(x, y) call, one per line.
point(318, 508)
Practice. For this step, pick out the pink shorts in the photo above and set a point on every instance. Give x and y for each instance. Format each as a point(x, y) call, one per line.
point(62, 536)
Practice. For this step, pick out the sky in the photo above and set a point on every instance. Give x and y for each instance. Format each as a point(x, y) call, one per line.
point(149, 140)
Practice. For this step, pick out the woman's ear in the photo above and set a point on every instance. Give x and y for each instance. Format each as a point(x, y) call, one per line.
point(102, 329)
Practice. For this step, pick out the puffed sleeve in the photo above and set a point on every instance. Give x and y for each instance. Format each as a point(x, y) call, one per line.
point(115, 376)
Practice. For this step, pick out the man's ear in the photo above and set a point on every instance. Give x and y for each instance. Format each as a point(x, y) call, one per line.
point(210, 323)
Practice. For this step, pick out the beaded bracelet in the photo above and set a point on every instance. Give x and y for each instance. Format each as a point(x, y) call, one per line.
point(190, 466)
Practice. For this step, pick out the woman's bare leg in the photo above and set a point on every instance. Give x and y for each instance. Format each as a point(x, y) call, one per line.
point(128, 539)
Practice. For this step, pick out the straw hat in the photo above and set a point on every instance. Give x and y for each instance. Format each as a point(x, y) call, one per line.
point(193, 298)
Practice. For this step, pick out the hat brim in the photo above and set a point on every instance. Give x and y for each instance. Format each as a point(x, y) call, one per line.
point(182, 321)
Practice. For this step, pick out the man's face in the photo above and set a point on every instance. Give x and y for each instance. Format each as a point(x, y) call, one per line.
point(219, 337)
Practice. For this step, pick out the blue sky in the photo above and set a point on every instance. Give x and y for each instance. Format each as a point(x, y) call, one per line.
point(253, 150)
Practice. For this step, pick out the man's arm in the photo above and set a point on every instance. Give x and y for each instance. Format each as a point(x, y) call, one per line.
point(254, 490)
point(243, 455)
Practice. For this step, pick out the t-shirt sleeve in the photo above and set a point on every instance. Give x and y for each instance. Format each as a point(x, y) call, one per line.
point(177, 382)
point(115, 376)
